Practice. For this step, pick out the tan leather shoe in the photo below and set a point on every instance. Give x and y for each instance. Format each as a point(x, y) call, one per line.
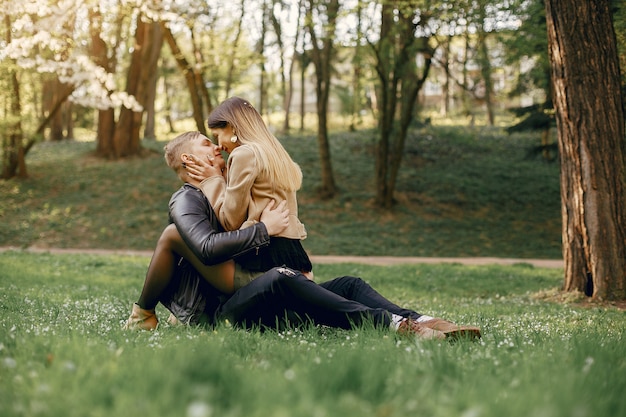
point(141, 319)
point(451, 330)
point(173, 321)
point(411, 327)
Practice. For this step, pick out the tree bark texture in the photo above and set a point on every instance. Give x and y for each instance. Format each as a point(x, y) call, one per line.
point(322, 57)
point(399, 86)
point(190, 78)
point(590, 121)
point(106, 117)
point(126, 139)
point(13, 154)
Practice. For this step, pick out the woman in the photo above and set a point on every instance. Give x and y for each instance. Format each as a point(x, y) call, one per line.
point(259, 170)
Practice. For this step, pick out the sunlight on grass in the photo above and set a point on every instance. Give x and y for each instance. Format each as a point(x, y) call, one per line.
point(63, 353)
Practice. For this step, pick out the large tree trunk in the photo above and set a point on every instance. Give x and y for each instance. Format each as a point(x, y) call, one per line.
point(590, 121)
point(106, 117)
point(126, 139)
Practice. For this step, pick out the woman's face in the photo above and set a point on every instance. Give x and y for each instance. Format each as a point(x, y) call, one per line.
point(222, 136)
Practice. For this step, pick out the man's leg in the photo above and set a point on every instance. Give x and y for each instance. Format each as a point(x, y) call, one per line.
point(282, 289)
point(356, 289)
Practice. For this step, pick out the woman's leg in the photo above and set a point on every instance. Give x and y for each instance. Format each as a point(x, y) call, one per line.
point(168, 251)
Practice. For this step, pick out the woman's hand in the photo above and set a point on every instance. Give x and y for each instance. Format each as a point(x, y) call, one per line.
point(199, 169)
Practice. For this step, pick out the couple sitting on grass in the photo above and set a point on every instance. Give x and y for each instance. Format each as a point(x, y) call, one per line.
point(256, 274)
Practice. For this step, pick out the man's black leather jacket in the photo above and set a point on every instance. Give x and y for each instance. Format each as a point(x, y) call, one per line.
point(200, 228)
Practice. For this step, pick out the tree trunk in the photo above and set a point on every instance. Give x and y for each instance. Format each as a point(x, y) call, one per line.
point(398, 90)
point(232, 56)
point(260, 50)
point(51, 92)
point(322, 56)
point(278, 31)
point(304, 62)
point(153, 78)
point(144, 61)
point(207, 106)
point(189, 73)
point(485, 70)
point(106, 117)
point(13, 155)
point(590, 121)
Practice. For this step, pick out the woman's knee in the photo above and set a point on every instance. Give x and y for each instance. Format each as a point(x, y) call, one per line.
point(169, 237)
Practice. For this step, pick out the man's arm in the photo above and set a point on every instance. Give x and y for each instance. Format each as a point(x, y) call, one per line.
point(198, 225)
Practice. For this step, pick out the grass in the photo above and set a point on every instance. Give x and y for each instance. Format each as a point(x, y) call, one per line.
point(461, 192)
point(63, 353)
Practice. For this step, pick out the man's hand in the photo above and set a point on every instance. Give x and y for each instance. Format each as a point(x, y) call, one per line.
point(275, 219)
point(199, 170)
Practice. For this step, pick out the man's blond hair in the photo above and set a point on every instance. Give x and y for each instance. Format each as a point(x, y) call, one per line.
point(178, 146)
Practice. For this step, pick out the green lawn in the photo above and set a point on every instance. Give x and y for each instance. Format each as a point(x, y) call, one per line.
point(461, 192)
point(63, 353)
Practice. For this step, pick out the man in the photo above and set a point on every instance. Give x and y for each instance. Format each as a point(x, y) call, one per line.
point(193, 274)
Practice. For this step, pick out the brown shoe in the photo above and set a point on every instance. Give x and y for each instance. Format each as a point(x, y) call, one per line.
point(411, 327)
point(451, 330)
point(141, 319)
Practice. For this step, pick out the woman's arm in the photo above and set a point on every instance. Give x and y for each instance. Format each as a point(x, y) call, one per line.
point(231, 199)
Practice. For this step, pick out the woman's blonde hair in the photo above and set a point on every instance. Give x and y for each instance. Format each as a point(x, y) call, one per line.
point(248, 125)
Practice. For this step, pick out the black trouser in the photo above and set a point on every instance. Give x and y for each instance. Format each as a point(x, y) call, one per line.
point(342, 302)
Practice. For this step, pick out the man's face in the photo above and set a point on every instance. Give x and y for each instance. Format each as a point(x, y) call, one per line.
point(203, 149)
point(222, 137)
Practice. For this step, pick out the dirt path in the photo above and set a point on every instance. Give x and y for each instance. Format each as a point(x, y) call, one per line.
point(327, 259)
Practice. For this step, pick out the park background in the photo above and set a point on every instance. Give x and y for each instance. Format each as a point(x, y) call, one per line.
point(477, 175)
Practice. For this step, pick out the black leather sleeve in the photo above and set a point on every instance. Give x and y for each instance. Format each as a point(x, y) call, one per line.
point(200, 229)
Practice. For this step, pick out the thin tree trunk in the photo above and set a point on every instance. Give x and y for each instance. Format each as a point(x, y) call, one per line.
point(199, 77)
point(261, 54)
point(233, 54)
point(188, 72)
point(153, 78)
point(322, 58)
point(13, 155)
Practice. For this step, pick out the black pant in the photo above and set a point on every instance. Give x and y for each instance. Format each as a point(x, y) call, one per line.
point(281, 292)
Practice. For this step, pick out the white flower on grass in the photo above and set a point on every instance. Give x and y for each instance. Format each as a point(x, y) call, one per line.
point(472, 412)
point(290, 374)
point(9, 362)
point(199, 409)
point(69, 366)
point(588, 362)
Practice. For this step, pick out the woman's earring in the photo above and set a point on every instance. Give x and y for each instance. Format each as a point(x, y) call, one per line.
point(234, 139)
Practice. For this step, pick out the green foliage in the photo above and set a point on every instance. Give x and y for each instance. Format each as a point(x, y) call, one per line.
point(63, 353)
point(460, 192)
